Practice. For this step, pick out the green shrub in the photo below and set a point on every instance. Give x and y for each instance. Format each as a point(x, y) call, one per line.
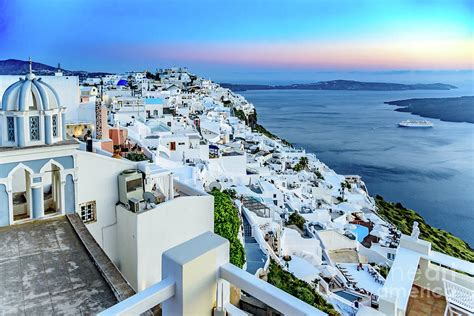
point(384, 270)
point(297, 220)
point(227, 224)
point(230, 193)
point(441, 240)
point(319, 175)
point(240, 115)
point(287, 282)
point(136, 156)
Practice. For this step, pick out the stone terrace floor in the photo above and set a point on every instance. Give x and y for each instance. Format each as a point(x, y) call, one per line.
point(45, 269)
point(425, 302)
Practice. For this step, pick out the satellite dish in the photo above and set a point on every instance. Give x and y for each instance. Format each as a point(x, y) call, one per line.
point(149, 198)
point(215, 185)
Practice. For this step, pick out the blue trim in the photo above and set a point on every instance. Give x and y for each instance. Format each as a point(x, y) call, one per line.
point(52, 90)
point(48, 138)
point(67, 162)
point(6, 96)
point(63, 125)
point(20, 129)
point(25, 88)
point(4, 211)
point(44, 97)
point(38, 211)
point(70, 198)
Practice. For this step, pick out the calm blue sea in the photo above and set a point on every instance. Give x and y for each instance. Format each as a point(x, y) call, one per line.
point(354, 132)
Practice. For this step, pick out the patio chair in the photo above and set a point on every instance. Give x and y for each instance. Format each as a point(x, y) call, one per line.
point(459, 299)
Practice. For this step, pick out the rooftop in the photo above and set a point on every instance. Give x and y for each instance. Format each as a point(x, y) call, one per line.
point(70, 141)
point(44, 268)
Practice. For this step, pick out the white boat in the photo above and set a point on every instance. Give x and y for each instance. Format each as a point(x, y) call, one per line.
point(419, 124)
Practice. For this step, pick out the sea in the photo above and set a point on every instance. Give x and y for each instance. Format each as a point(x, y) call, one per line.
point(354, 132)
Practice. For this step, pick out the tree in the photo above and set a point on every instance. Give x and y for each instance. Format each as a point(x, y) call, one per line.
point(344, 185)
point(302, 164)
point(131, 84)
point(297, 220)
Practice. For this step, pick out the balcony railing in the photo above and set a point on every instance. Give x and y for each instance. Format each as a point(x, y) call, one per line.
point(186, 285)
point(416, 264)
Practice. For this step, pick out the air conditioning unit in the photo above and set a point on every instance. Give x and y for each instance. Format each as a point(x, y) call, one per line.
point(134, 205)
point(130, 185)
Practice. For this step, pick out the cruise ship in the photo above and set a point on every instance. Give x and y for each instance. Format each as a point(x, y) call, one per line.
point(419, 124)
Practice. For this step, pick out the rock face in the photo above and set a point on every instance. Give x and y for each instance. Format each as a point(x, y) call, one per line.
point(460, 109)
point(342, 85)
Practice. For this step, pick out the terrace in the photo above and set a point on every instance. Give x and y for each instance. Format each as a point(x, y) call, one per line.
point(421, 279)
point(55, 266)
point(252, 204)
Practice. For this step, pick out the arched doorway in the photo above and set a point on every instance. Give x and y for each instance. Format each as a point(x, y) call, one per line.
point(21, 194)
point(51, 188)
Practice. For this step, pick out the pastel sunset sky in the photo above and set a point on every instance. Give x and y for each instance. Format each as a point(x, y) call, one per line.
point(319, 35)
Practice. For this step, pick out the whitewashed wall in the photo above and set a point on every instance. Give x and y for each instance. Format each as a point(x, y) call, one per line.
point(97, 181)
point(143, 237)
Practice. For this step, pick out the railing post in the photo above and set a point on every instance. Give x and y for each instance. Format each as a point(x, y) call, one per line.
point(195, 266)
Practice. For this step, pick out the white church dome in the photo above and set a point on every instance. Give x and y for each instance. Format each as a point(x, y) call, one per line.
point(30, 93)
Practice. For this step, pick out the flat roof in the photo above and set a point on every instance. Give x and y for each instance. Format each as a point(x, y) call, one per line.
point(45, 269)
point(69, 141)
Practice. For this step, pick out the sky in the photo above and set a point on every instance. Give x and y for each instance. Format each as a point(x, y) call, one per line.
point(242, 36)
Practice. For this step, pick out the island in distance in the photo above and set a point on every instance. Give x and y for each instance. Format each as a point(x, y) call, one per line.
point(458, 109)
point(341, 85)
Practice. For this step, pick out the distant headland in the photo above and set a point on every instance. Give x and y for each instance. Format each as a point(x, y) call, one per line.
point(459, 109)
point(341, 85)
point(20, 67)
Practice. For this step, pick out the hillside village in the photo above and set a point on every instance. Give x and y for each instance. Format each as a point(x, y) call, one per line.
point(176, 143)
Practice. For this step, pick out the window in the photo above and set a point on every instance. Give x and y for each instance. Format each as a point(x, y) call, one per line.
point(181, 144)
point(55, 125)
point(390, 256)
point(34, 128)
point(155, 112)
point(88, 212)
point(11, 129)
point(133, 185)
point(172, 146)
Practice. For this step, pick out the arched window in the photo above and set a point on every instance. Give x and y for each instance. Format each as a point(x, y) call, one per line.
point(11, 128)
point(34, 128)
point(55, 125)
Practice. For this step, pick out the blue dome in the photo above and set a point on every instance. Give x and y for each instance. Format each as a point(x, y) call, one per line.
point(122, 82)
point(30, 93)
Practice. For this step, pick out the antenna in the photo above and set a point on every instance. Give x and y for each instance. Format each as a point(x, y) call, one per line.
point(30, 65)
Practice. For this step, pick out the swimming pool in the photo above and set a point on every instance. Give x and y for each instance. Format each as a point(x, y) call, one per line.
point(348, 296)
point(361, 232)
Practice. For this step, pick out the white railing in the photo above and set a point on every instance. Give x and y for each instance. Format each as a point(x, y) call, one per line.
point(188, 190)
point(459, 296)
point(267, 293)
point(186, 279)
point(416, 264)
point(143, 301)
